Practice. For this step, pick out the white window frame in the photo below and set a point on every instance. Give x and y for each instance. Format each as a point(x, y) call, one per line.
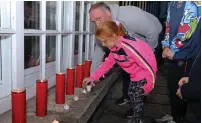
point(20, 76)
point(17, 17)
point(11, 15)
point(26, 78)
point(87, 54)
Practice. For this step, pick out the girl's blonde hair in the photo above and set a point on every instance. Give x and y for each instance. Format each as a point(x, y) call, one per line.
point(108, 32)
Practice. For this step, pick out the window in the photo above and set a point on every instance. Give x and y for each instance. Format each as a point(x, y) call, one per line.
point(51, 15)
point(43, 21)
point(5, 56)
point(65, 48)
point(50, 48)
point(5, 14)
point(31, 51)
point(85, 16)
point(65, 15)
point(5, 65)
point(77, 15)
point(31, 14)
point(0, 60)
point(84, 39)
point(76, 45)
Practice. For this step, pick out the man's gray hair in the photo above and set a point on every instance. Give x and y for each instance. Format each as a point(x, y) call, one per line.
point(100, 5)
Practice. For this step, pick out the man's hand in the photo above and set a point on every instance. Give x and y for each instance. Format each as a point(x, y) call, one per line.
point(179, 93)
point(167, 53)
point(170, 54)
point(183, 81)
point(165, 50)
point(89, 81)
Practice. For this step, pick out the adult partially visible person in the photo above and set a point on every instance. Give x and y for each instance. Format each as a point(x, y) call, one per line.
point(190, 88)
point(181, 44)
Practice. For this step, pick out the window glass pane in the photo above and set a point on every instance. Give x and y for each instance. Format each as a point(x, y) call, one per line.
point(77, 15)
point(51, 15)
point(85, 16)
point(31, 51)
point(62, 47)
point(5, 65)
point(0, 60)
point(32, 15)
point(5, 56)
point(50, 48)
point(5, 14)
point(76, 45)
point(65, 50)
point(61, 56)
point(84, 40)
point(65, 13)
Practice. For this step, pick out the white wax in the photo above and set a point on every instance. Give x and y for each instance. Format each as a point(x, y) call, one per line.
point(55, 121)
point(66, 107)
point(84, 91)
point(89, 88)
point(76, 98)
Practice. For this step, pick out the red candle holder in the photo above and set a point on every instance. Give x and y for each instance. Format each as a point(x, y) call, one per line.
point(87, 68)
point(18, 97)
point(79, 75)
point(70, 81)
point(41, 97)
point(60, 88)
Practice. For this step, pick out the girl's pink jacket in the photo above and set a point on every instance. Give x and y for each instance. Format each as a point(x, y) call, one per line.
point(135, 57)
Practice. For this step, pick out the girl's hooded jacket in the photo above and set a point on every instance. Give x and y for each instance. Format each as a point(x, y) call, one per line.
point(135, 57)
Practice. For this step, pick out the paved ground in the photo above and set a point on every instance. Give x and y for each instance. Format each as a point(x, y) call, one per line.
point(156, 106)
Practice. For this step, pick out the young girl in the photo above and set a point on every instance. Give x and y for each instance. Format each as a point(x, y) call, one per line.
point(132, 55)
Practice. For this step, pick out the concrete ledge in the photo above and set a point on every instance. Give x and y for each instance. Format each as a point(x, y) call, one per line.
point(79, 112)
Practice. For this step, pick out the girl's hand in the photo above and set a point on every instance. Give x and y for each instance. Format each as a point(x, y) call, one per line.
point(89, 81)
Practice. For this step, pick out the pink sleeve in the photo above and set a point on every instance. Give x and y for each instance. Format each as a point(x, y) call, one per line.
point(104, 67)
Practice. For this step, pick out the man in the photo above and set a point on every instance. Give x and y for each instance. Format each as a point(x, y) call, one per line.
point(190, 85)
point(181, 44)
point(137, 22)
point(190, 88)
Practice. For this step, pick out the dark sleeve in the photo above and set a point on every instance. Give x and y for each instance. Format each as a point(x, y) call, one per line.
point(191, 46)
point(192, 90)
point(188, 67)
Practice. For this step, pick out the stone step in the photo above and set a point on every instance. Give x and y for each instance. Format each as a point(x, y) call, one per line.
point(158, 99)
point(156, 110)
point(80, 111)
point(160, 90)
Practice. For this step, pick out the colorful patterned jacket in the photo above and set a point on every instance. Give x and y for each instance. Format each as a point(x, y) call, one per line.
point(188, 24)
